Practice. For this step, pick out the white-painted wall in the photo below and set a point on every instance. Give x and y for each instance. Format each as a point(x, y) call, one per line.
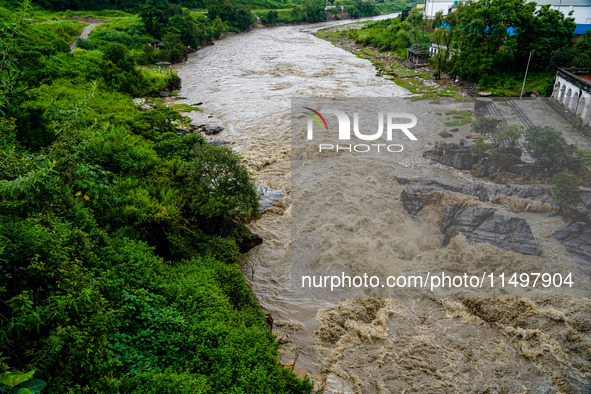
point(573, 98)
point(433, 6)
point(581, 13)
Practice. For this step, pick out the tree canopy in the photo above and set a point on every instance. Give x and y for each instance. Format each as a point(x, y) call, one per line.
point(496, 36)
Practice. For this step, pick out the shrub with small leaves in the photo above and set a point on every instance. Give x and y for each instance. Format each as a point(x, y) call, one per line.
point(485, 125)
point(565, 189)
point(219, 184)
point(546, 146)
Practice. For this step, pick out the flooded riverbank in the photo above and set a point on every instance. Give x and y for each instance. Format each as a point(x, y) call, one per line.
point(246, 83)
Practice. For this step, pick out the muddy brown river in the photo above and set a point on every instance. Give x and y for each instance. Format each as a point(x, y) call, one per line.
point(246, 83)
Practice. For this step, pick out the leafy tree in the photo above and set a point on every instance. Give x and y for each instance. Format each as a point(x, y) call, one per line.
point(562, 57)
point(443, 35)
point(119, 56)
point(173, 45)
point(238, 18)
point(483, 38)
point(314, 10)
point(20, 64)
point(508, 136)
point(271, 17)
point(187, 28)
point(366, 8)
point(546, 146)
point(485, 125)
point(84, 44)
point(219, 27)
point(565, 189)
point(583, 51)
point(219, 184)
point(409, 32)
point(480, 146)
point(497, 36)
point(155, 14)
point(243, 19)
point(549, 31)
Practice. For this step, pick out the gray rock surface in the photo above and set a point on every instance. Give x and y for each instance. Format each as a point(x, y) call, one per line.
point(576, 238)
point(249, 243)
point(454, 156)
point(465, 211)
point(268, 196)
point(487, 224)
point(212, 129)
point(484, 192)
point(502, 167)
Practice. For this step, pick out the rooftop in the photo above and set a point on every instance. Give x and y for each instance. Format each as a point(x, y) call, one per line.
point(418, 50)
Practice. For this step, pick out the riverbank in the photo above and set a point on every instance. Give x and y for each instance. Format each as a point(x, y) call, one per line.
point(389, 65)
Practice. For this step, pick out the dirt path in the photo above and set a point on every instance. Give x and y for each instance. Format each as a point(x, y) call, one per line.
point(86, 32)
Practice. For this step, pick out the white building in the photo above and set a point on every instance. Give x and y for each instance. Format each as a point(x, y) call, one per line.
point(572, 89)
point(434, 6)
point(581, 9)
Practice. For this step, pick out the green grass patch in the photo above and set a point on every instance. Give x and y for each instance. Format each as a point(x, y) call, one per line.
point(185, 108)
point(585, 155)
point(463, 118)
point(509, 84)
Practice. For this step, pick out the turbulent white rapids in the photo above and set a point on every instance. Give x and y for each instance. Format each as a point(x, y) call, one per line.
point(246, 83)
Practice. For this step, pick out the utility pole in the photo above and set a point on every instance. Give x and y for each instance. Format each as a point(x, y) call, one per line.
point(526, 69)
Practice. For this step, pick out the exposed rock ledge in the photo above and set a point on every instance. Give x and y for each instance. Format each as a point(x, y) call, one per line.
point(480, 212)
point(576, 238)
point(500, 167)
point(537, 198)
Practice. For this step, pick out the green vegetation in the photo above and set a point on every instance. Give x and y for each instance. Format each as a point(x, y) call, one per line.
point(490, 41)
point(508, 136)
point(586, 156)
point(504, 137)
point(485, 125)
point(495, 36)
point(21, 383)
point(565, 189)
point(546, 146)
point(392, 34)
point(119, 238)
point(386, 62)
point(487, 42)
point(463, 118)
point(480, 146)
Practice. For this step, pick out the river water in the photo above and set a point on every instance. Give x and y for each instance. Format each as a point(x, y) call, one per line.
point(245, 83)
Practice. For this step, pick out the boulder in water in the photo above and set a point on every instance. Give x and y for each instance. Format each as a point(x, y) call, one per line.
point(268, 195)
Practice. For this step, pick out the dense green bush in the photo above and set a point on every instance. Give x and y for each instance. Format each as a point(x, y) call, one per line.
point(392, 34)
point(485, 125)
point(218, 184)
point(118, 258)
point(565, 189)
point(546, 146)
